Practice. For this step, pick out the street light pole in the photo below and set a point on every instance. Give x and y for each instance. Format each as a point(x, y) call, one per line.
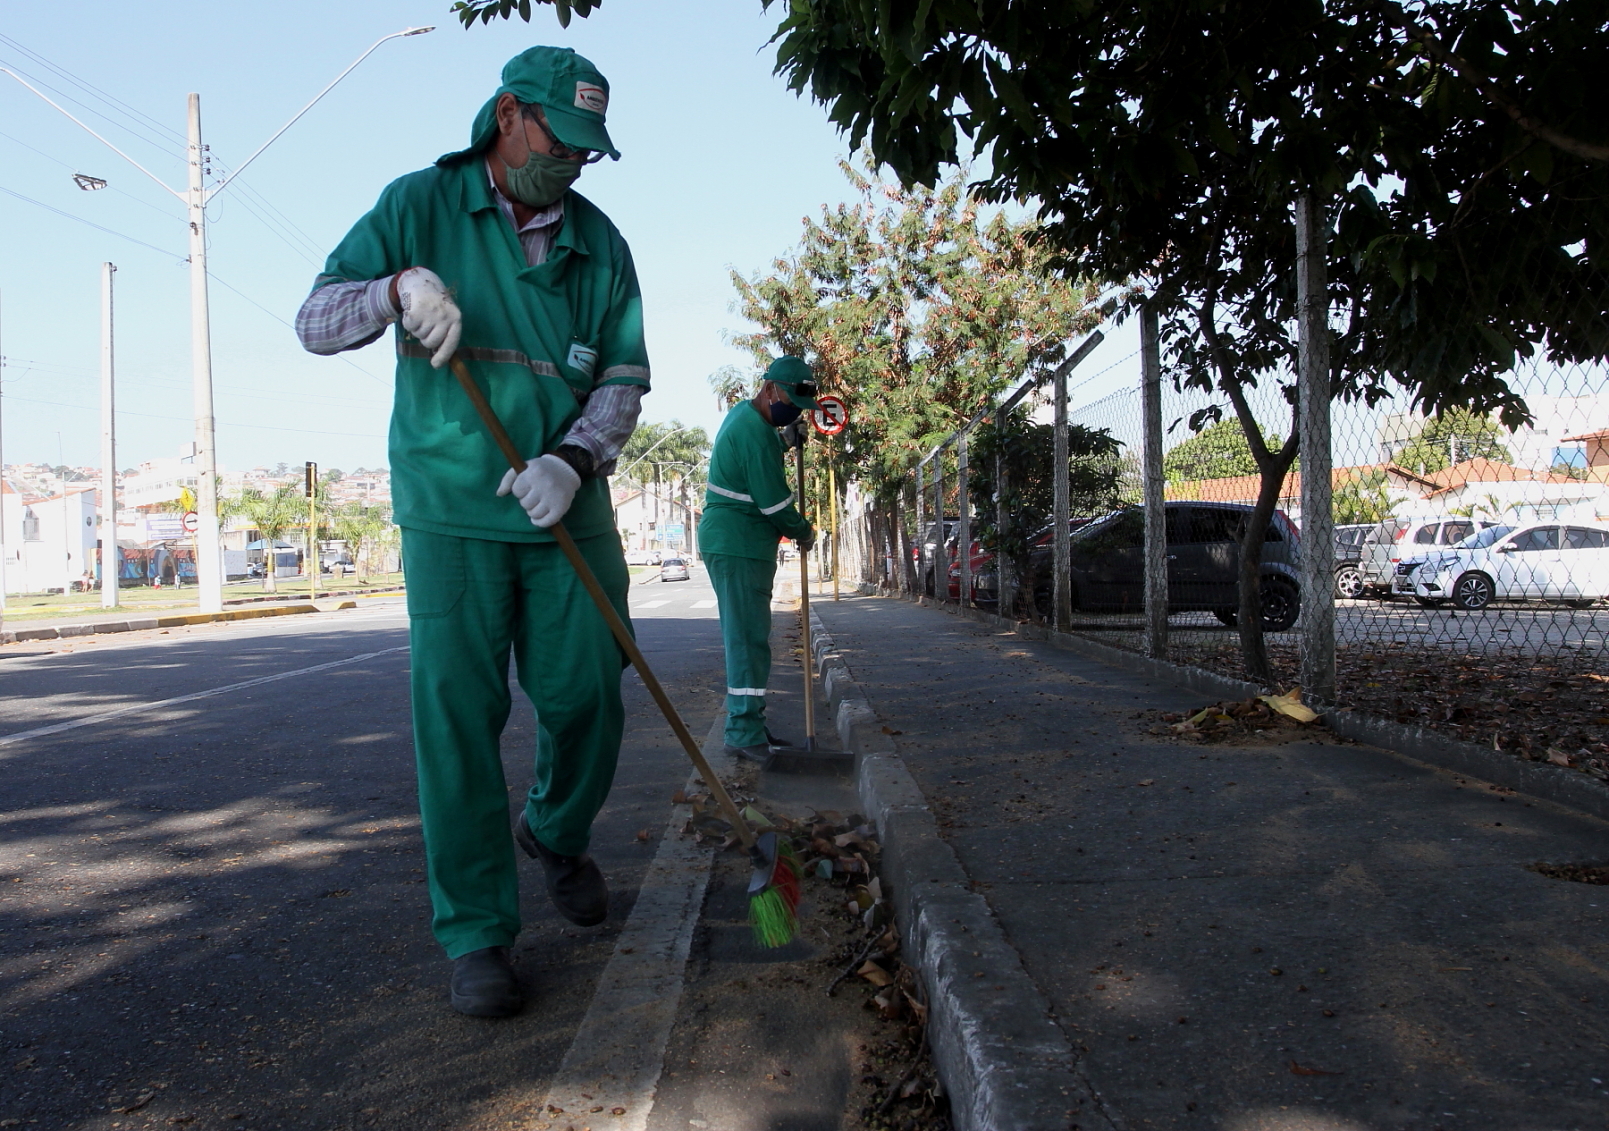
point(109, 563)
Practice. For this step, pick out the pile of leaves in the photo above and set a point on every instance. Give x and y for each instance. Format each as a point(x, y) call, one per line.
point(1237, 718)
point(839, 855)
point(1577, 873)
point(1551, 709)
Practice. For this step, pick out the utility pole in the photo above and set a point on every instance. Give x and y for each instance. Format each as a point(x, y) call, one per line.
point(3, 486)
point(312, 528)
point(209, 558)
point(109, 561)
point(66, 525)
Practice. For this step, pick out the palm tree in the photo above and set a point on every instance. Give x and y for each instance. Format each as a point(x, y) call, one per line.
point(271, 515)
point(361, 528)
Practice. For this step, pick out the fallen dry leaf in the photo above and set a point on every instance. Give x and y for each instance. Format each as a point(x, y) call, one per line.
point(642, 836)
point(874, 973)
point(1304, 1070)
point(891, 730)
point(1290, 705)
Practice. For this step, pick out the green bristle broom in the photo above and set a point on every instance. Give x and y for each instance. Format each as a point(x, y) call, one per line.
point(774, 884)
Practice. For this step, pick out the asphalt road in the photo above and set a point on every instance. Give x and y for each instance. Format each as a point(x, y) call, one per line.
point(212, 902)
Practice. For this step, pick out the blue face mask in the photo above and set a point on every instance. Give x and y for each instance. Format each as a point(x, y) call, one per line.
point(784, 413)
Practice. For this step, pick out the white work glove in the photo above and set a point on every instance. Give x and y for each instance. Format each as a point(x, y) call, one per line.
point(545, 489)
point(429, 313)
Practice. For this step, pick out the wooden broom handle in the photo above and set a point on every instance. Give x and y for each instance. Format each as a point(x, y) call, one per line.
point(622, 634)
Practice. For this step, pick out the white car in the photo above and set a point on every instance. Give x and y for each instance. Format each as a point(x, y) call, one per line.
point(1566, 562)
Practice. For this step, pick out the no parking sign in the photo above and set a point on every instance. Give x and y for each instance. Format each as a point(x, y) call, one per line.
point(832, 417)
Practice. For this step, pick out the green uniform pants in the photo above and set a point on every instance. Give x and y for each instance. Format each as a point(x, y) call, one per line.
point(470, 603)
point(743, 593)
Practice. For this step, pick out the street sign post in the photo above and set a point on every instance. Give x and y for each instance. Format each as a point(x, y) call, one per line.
point(832, 417)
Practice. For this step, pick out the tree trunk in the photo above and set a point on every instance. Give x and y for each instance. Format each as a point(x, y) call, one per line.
point(270, 562)
point(1249, 615)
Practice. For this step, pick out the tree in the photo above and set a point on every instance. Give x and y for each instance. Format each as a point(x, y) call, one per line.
point(468, 11)
point(918, 309)
point(1025, 452)
point(1218, 451)
point(671, 453)
point(1452, 437)
point(1362, 498)
point(271, 515)
point(361, 528)
point(1167, 142)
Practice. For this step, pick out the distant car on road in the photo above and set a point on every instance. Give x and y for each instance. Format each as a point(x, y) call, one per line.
point(1398, 539)
point(1538, 561)
point(642, 557)
point(674, 569)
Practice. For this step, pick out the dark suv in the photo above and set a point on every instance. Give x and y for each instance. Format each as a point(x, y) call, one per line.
point(1108, 563)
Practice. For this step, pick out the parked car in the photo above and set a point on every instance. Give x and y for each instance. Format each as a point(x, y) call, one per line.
point(642, 557)
point(1535, 561)
point(1398, 539)
point(1108, 563)
point(924, 555)
point(1349, 538)
point(985, 574)
point(674, 569)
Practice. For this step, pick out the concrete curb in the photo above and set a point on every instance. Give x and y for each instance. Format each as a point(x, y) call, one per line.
point(1005, 1062)
point(1539, 780)
point(67, 631)
point(322, 596)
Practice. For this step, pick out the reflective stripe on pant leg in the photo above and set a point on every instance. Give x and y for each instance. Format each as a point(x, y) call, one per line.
point(743, 593)
point(570, 666)
point(460, 609)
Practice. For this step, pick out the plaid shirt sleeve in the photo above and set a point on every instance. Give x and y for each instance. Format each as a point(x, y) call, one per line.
point(345, 315)
point(607, 423)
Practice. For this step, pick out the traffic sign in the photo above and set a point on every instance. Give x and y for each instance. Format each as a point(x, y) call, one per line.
point(192, 522)
point(832, 417)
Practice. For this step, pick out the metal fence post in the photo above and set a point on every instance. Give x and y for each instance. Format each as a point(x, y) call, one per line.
point(1156, 528)
point(1005, 574)
point(941, 565)
point(963, 527)
point(921, 529)
point(1060, 510)
point(1317, 616)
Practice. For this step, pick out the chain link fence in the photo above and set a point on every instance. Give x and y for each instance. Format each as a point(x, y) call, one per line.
point(1470, 587)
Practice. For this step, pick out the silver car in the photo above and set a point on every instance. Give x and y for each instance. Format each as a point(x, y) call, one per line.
point(673, 569)
point(1398, 539)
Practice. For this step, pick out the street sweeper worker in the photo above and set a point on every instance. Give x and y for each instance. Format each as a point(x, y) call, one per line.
point(489, 252)
point(748, 509)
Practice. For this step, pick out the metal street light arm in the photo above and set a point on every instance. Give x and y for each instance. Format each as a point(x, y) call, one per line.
point(93, 134)
point(297, 117)
point(655, 444)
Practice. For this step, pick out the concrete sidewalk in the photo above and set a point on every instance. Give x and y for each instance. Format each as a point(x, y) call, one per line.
point(1313, 935)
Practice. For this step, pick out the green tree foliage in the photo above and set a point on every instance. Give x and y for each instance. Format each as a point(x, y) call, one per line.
point(1218, 451)
point(1362, 498)
point(271, 514)
point(671, 459)
point(364, 529)
point(1455, 433)
point(1007, 521)
point(468, 11)
point(917, 310)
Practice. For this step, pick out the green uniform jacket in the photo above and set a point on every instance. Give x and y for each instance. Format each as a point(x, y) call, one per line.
point(537, 339)
point(748, 507)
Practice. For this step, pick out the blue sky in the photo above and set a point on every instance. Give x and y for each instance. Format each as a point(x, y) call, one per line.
point(721, 163)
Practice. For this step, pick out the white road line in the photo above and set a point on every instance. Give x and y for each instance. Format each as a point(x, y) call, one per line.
point(650, 604)
point(137, 708)
point(618, 1052)
point(703, 604)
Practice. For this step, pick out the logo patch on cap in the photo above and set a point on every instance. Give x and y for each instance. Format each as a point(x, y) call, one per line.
point(591, 97)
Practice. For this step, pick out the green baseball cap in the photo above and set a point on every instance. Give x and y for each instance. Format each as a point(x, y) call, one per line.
point(791, 373)
point(572, 93)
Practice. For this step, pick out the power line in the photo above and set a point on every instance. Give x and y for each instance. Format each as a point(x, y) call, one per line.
point(139, 116)
point(282, 322)
point(76, 168)
point(187, 419)
point(91, 223)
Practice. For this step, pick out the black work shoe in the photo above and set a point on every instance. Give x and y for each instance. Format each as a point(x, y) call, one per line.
point(759, 752)
point(575, 883)
point(484, 984)
point(774, 740)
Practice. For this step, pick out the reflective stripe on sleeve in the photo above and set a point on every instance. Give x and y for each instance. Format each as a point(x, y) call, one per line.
point(738, 495)
point(623, 371)
point(746, 691)
point(783, 505)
